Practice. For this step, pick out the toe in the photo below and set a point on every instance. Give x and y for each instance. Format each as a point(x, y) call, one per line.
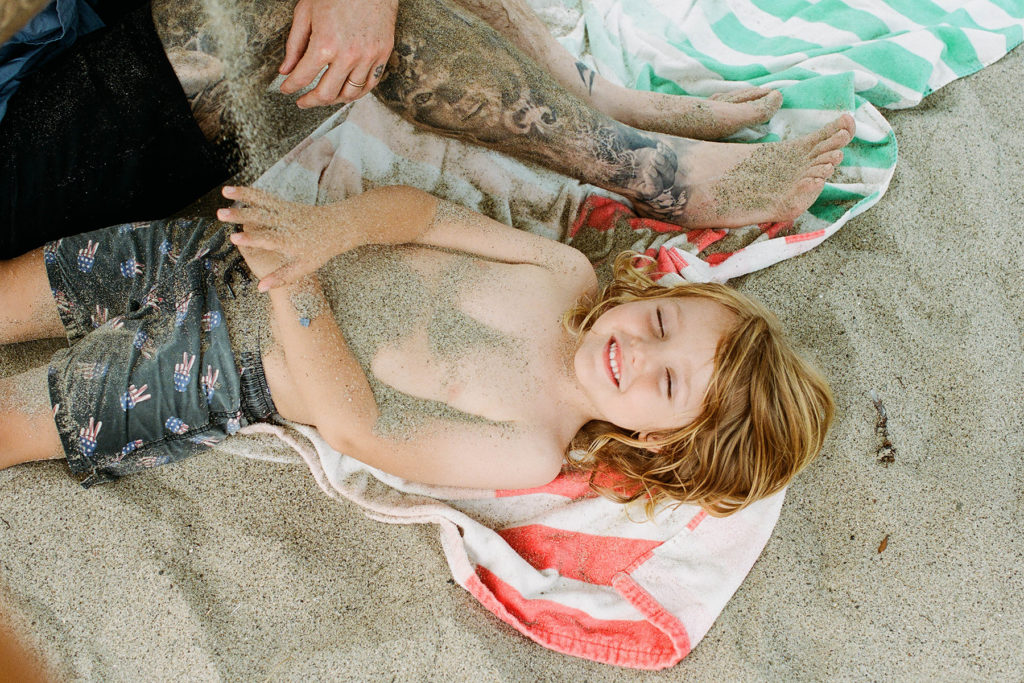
point(849, 124)
point(834, 157)
point(741, 96)
point(749, 94)
point(811, 188)
point(834, 142)
point(770, 102)
point(805, 191)
point(821, 171)
point(843, 126)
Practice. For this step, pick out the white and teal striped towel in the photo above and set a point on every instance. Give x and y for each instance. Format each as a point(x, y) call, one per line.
point(825, 57)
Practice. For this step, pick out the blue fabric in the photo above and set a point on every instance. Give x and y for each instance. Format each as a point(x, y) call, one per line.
point(48, 34)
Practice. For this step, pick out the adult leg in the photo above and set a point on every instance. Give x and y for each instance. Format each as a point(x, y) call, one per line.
point(225, 53)
point(206, 50)
point(27, 429)
point(690, 117)
point(453, 74)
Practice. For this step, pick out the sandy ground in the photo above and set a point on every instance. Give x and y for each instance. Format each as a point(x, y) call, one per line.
point(227, 569)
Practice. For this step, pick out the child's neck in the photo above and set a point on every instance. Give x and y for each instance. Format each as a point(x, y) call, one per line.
point(574, 408)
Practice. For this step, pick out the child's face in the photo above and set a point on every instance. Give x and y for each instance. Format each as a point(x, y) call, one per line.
point(645, 365)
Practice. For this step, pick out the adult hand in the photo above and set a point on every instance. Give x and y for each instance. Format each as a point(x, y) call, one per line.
point(301, 237)
point(353, 38)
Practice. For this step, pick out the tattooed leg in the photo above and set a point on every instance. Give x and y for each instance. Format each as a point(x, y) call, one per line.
point(690, 117)
point(197, 49)
point(454, 75)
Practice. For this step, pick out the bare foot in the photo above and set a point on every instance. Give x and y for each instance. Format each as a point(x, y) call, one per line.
point(714, 118)
point(727, 185)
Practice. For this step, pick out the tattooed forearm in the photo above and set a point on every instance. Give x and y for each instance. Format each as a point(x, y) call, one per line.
point(587, 76)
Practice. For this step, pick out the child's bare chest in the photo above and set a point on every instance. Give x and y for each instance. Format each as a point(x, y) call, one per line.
point(444, 336)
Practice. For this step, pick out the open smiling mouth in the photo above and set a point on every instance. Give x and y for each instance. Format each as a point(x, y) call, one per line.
point(613, 361)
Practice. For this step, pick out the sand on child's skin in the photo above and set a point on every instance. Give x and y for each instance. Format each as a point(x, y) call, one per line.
point(381, 301)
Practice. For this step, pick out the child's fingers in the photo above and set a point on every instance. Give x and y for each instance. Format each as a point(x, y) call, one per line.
point(286, 274)
point(266, 241)
point(249, 217)
point(253, 196)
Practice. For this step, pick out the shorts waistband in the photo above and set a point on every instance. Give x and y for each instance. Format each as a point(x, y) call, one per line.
point(257, 405)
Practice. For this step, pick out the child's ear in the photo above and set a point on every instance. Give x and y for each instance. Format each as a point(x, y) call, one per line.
point(649, 438)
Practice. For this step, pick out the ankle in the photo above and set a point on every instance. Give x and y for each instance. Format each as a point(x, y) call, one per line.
point(613, 100)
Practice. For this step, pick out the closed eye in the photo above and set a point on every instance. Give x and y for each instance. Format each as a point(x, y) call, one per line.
point(661, 324)
point(668, 377)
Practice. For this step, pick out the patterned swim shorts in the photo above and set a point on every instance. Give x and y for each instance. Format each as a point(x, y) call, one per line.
point(150, 377)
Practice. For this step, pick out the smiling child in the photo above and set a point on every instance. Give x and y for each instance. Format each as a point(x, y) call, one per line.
point(419, 337)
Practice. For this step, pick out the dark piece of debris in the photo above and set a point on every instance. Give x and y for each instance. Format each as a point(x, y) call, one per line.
point(885, 453)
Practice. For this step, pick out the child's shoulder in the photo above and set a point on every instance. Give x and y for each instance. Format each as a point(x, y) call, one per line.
point(575, 271)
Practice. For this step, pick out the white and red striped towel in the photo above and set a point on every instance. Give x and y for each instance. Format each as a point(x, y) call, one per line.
point(571, 570)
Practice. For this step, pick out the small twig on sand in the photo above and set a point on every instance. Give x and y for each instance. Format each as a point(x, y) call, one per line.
point(886, 452)
point(277, 666)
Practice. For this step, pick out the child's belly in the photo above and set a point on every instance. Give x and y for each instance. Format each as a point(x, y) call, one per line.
point(497, 384)
point(444, 336)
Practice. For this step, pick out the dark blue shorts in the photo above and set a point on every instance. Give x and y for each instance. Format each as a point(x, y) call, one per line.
point(150, 377)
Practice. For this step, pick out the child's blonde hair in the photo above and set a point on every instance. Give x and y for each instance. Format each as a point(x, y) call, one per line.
point(764, 417)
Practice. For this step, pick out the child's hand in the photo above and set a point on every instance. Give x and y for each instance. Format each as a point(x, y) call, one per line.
point(304, 237)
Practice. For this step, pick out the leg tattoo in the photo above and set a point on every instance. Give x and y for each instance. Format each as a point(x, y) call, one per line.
point(587, 76)
point(454, 75)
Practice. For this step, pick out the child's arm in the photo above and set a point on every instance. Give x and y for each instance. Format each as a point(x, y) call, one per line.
point(329, 381)
point(308, 236)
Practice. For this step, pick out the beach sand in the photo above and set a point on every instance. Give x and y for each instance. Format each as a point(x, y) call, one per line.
point(222, 568)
